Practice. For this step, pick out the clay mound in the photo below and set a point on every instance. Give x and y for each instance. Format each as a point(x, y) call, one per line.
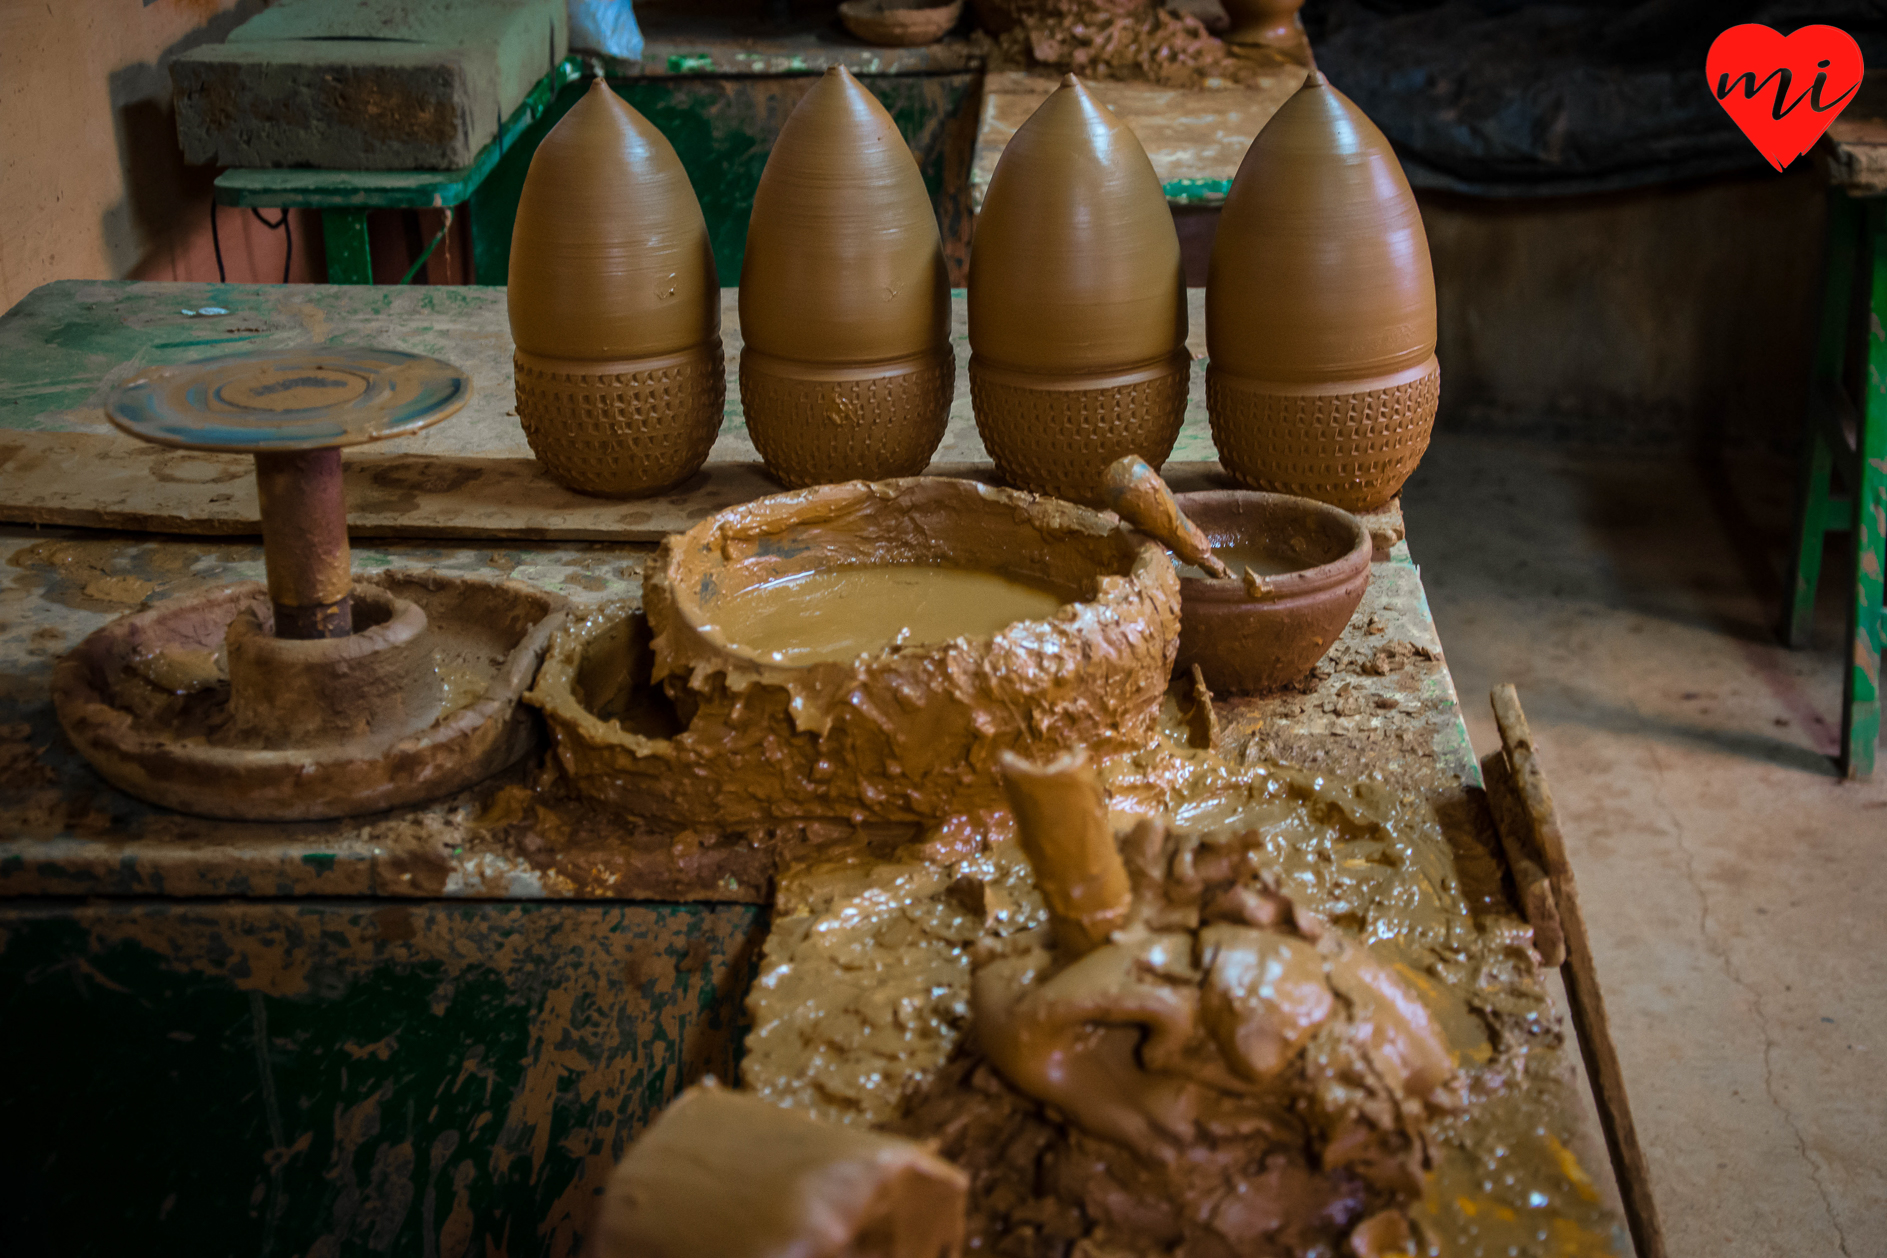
point(661, 721)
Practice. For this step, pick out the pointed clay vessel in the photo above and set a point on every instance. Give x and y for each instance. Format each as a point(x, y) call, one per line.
point(615, 306)
point(846, 371)
point(1077, 303)
point(1320, 311)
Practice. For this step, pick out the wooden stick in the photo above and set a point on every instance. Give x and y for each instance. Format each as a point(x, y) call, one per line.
point(1582, 983)
point(1518, 841)
point(1061, 819)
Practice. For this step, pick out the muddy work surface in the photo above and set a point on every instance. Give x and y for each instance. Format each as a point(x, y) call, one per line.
point(1381, 708)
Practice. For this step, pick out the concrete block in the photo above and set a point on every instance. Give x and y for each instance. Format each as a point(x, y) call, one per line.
point(365, 84)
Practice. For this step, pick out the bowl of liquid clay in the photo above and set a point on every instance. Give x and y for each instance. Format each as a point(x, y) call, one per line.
point(1309, 563)
point(865, 650)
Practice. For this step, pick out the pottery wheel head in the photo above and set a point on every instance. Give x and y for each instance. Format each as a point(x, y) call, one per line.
point(284, 400)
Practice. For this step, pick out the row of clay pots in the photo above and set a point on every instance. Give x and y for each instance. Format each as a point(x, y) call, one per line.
point(1320, 305)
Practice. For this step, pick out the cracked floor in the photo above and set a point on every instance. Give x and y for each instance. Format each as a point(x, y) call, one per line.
point(1732, 884)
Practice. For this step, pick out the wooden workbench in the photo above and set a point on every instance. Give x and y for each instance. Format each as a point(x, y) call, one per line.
point(417, 1030)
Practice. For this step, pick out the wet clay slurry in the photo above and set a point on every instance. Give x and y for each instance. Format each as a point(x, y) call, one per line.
point(1320, 310)
point(846, 370)
point(726, 1174)
point(615, 305)
point(1265, 558)
point(1077, 303)
point(904, 735)
point(1312, 1033)
point(842, 613)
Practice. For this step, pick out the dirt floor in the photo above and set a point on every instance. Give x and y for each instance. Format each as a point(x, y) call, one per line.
point(1732, 884)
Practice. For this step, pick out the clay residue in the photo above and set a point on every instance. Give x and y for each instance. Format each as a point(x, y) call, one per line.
point(864, 988)
point(905, 734)
point(1136, 40)
point(1332, 1150)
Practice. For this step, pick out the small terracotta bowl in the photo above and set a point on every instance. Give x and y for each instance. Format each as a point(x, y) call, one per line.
point(899, 23)
point(1244, 644)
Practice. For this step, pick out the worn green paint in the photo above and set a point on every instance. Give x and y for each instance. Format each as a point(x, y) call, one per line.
point(394, 189)
point(347, 248)
point(689, 63)
point(1857, 244)
point(347, 1078)
point(1196, 191)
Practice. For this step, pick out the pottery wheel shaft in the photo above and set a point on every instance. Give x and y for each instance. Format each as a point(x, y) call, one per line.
point(304, 543)
point(294, 410)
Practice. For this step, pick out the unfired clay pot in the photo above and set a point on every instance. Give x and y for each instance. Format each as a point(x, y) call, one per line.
point(907, 733)
point(615, 306)
point(1245, 644)
point(846, 370)
point(194, 705)
point(1320, 311)
point(1273, 23)
point(899, 23)
point(1077, 303)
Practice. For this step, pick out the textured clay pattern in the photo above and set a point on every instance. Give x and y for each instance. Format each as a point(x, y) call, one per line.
point(811, 432)
point(1060, 441)
point(1351, 449)
point(623, 429)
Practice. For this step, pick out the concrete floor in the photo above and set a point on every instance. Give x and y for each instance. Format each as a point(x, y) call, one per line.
point(1732, 884)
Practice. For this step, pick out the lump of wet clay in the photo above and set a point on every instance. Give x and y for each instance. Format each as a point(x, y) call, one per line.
point(1219, 1071)
point(722, 1174)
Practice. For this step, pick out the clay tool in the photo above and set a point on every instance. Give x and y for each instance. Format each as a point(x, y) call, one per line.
point(1136, 493)
point(1061, 820)
point(1582, 983)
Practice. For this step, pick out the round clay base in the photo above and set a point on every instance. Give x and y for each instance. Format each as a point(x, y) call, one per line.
point(1057, 437)
point(623, 429)
point(815, 424)
point(1350, 445)
point(147, 701)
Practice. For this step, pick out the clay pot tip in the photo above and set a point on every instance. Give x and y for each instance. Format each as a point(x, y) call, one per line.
point(1316, 79)
point(1069, 80)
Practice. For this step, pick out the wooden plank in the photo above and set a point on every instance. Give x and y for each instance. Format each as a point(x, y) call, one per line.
point(1518, 842)
point(1195, 137)
point(68, 344)
point(1582, 983)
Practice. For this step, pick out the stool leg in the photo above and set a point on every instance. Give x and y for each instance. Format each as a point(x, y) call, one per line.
point(350, 256)
point(1817, 461)
point(1860, 700)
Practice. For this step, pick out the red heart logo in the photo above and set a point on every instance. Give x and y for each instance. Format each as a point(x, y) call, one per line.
point(1782, 91)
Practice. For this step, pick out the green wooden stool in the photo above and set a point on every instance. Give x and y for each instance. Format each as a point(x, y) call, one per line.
point(491, 185)
point(1845, 438)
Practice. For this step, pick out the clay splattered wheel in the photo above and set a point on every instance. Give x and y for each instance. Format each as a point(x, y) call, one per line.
point(623, 429)
point(814, 425)
point(1350, 445)
point(151, 737)
point(1057, 437)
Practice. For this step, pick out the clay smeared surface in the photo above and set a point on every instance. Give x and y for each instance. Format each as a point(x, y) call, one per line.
point(892, 945)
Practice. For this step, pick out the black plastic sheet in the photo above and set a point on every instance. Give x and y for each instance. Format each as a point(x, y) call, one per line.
point(1507, 98)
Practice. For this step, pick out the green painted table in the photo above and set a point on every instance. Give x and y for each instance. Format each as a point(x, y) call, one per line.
point(429, 1031)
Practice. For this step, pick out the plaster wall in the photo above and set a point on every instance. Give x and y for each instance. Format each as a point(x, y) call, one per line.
point(92, 181)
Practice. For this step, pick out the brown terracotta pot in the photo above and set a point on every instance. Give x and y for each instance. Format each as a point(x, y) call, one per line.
point(1244, 644)
point(1077, 303)
point(1320, 311)
point(846, 371)
point(1273, 23)
point(615, 306)
point(899, 23)
point(664, 720)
